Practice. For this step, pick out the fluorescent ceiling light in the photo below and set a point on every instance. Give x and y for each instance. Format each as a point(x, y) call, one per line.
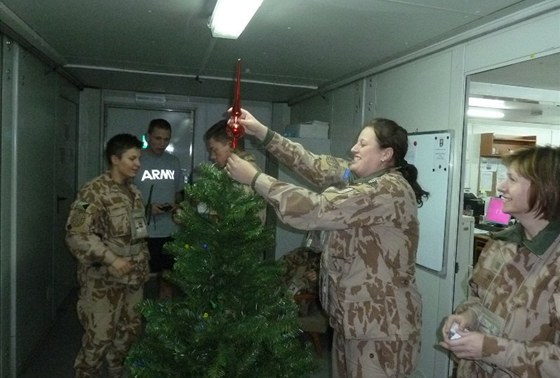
point(485, 113)
point(487, 103)
point(230, 17)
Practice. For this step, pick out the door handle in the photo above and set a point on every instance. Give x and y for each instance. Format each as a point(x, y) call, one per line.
point(58, 199)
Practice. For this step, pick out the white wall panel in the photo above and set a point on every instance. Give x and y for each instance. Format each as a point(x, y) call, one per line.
point(7, 209)
point(519, 42)
point(316, 108)
point(90, 147)
point(34, 202)
point(347, 118)
point(418, 96)
point(30, 93)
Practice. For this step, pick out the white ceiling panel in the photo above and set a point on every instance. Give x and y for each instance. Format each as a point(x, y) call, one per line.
point(290, 46)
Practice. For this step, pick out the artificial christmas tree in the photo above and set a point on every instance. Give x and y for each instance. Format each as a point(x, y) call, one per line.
point(235, 317)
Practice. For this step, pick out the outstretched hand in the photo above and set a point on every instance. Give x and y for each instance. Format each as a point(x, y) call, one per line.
point(240, 170)
point(252, 125)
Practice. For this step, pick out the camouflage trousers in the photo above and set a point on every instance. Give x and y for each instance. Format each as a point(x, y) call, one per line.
point(355, 358)
point(111, 324)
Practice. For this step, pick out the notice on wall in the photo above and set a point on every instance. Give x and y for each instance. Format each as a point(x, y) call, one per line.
point(488, 165)
point(501, 173)
point(486, 181)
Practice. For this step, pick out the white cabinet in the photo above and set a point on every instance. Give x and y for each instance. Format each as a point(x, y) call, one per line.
point(288, 238)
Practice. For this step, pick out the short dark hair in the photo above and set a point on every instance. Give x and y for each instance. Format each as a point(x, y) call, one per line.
point(159, 123)
point(218, 131)
point(541, 166)
point(119, 144)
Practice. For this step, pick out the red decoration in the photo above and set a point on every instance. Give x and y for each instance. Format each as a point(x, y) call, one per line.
point(235, 130)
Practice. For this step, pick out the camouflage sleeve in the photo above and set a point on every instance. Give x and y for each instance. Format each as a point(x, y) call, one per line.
point(525, 359)
point(84, 230)
point(334, 208)
point(537, 356)
point(319, 170)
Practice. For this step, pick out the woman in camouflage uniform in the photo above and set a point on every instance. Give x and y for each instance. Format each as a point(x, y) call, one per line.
point(106, 232)
point(369, 211)
point(510, 324)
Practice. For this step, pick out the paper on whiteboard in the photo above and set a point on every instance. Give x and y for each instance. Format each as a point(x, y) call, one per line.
point(441, 152)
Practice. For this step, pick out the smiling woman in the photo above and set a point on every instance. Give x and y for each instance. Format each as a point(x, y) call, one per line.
point(368, 212)
point(518, 263)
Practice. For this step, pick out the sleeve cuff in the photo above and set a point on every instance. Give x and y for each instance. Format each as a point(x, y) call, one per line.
point(110, 257)
point(254, 180)
point(268, 137)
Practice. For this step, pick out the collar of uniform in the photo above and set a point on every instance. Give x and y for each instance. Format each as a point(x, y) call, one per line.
point(107, 177)
point(539, 244)
point(360, 180)
point(245, 156)
point(127, 184)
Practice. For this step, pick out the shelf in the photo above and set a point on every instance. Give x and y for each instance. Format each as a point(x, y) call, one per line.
point(492, 145)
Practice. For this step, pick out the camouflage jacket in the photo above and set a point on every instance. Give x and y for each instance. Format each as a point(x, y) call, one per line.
point(100, 228)
point(247, 188)
point(515, 294)
point(251, 159)
point(301, 262)
point(368, 284)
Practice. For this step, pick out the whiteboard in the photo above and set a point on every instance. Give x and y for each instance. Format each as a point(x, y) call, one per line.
point(430, 152)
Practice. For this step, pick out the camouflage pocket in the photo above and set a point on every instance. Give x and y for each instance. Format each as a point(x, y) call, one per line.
point(365, 320)
point(398, 357)
point(484, 281)
point(119, 220)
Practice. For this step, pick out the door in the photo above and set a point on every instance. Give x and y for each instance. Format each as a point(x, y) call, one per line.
point(135, 120)
point(64, 265)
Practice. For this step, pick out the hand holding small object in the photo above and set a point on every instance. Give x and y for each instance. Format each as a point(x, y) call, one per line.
point(165, 207)
point(453, 332)
point(240, 170)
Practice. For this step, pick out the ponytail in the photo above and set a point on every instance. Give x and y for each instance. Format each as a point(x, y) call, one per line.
point(410, 173)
